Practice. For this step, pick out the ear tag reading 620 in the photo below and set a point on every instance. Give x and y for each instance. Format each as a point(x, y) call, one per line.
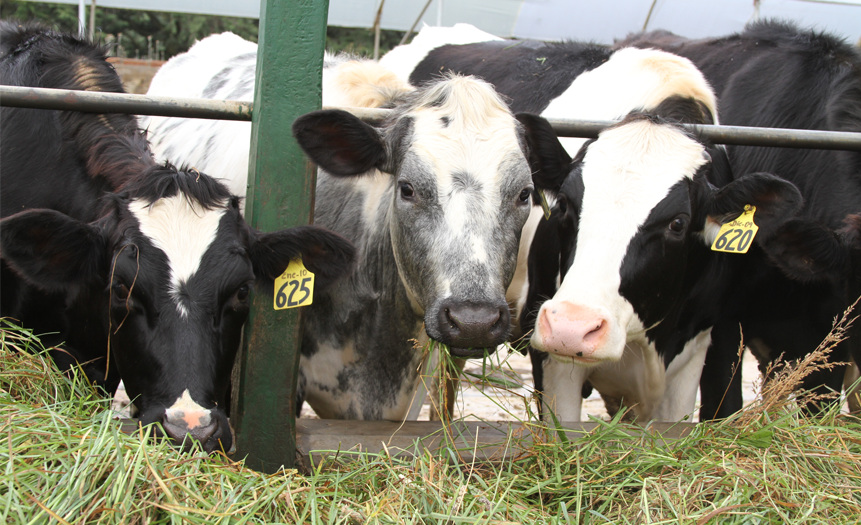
point(736, 236)
point(294, 287)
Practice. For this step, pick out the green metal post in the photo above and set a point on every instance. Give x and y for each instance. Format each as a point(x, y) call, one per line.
point(280, 194)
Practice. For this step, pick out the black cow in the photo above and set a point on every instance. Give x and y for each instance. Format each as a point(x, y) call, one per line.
point(118, 259)
point(775, 75)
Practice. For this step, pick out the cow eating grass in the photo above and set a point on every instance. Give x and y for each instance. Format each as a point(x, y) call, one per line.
point(137, 271)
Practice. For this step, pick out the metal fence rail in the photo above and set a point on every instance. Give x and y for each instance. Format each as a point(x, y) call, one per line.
point(90, 102)
point(61, 99)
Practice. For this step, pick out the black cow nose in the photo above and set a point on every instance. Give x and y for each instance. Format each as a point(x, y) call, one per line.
point(468, 325)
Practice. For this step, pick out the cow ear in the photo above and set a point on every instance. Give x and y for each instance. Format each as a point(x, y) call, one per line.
point(549, 161)
point(52, 251)
point(325, 253)
point(776, 202)
point(807, 251)
point(339, 142)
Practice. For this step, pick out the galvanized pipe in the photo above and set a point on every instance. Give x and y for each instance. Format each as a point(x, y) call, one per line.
point(43, 98)
point(738, 135)
point(93, 102)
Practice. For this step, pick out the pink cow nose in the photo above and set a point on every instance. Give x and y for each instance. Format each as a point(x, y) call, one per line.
point(571, 330)
point(197, 423)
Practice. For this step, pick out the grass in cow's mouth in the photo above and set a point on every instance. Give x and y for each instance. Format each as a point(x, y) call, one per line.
point(442, 369)
point(64, 460)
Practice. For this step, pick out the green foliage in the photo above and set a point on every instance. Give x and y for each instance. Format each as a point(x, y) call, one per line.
point(360, 41)
point(140, 30)
point(160, 35)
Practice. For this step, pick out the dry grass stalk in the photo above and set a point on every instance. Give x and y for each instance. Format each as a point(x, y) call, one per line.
point(63, 451)
point(783, 379)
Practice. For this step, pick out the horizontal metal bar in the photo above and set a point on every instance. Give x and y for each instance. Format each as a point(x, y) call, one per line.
point(93, 102)
point(738, 135)
point(43, 98)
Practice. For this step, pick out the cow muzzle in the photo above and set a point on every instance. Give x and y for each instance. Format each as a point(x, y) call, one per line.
point(470, 329)
point(186, 421)
point(574, 331)
point(209, 427)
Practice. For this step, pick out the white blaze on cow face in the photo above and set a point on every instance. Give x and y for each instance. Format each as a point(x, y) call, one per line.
point(181, 229)
point(625, 174)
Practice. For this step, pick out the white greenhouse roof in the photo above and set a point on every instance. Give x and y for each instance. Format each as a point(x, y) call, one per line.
point(552, 19)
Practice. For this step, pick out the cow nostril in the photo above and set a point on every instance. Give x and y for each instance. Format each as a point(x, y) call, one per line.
point(497, 320)
point(596, 332)
point(451, 322)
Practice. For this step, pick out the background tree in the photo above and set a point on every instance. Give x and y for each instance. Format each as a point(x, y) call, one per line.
point(175, 32)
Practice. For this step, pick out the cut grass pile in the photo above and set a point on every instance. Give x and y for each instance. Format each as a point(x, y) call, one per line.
point(64, 460)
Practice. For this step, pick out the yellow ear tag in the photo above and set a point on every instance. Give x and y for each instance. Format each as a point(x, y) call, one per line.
point(544, 205)
point(294, 287)
point(736, 236)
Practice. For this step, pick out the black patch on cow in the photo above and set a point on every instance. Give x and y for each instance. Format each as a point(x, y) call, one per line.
point(549, 161)
point(528, 74)
point(656, 258)
point(161, 182)
point(776, 201)
point(807, 251)
point(684, 110)
point(339, 142)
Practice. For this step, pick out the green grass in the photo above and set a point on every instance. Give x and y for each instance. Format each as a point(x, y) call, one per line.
point(64, 460)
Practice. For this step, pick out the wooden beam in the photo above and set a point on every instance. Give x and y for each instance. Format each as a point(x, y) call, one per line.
point(321, 439)
point(280, 194)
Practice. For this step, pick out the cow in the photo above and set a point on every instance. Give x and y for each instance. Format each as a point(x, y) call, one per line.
point(548, 61)
point(576, 80)
point(434, 199)
point(774, 74)
point(131, 269)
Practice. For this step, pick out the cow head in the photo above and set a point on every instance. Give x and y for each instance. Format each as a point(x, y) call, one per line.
point(640, 212)
point(457, 191)
point(172, 263)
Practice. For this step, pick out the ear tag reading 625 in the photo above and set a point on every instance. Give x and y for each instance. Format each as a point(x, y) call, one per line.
point(294, 287)
point(736, 236)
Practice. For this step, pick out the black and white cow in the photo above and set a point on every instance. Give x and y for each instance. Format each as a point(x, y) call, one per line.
point(791, 304)
point(775, 75)
point(589, 81)
point(119, 260)
point(434, 199)
point(640, 288)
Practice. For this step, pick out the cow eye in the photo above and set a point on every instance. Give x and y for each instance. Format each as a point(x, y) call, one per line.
point(524, 195)
point(121, 291)
point(407, 191)
point(242, 293)
point(678, 225)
